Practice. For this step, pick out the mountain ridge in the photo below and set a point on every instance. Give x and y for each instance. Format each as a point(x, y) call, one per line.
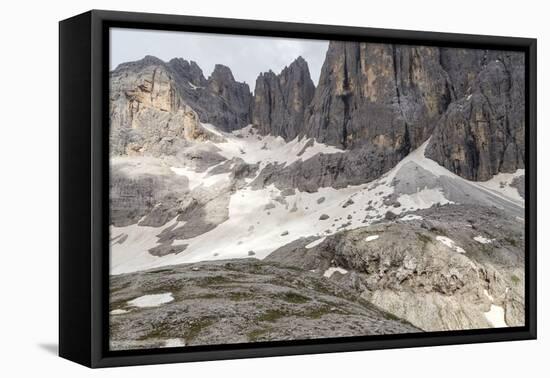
point(380, 100)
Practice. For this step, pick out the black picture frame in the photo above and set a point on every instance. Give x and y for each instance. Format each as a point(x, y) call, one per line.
point(84, 198)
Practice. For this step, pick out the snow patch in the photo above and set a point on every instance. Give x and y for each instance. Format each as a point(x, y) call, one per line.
point(151, 300)
point(330, 271)
point(371, 237)
point(118, 311)
point(501, 183)
point(197, 179)
point(193, 86)
point(410, 217)
point(495, 316)
point(174, 343)
point(483, 240)
point(489, 296)
point(450, 243)
point(316, 242)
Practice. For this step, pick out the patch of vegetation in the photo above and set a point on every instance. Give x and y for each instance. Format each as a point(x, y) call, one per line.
point(240, 296)
point(486, 248)
point(115, 288)
point(291, 267)
point(391, 316)
point(213, 280)
point(160, 271)
point(271, 316)
point(425, 239)
point(195, 328)
point(515, 279)
point(203, 296)
point(256, 334)
point(255, 268)
point(292, 297)
point(439, 231)
point(156, 333)
point(317, 313)
point(511, 241)
point(318, 286)
point(116, 304)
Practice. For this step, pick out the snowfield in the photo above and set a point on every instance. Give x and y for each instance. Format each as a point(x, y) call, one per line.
point(253, 148)
point(252, 228)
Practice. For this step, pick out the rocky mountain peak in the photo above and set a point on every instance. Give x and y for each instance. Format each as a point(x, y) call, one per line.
point(141, 64)
point(232, 99)
point(188, 70)
point(299, 62)
point(377, 101)
point(222, 73)
point(280, 101)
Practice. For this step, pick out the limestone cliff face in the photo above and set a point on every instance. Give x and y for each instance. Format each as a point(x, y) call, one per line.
point(281, 100)
point(386, 96)
point(483, 133)
point(462, 66)
point(157, 106)
point(378, 102)
point(147, 113)
point(381, 101)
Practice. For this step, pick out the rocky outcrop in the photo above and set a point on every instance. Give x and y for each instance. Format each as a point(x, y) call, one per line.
point(442, 272)
point(281, 100)
point(519, 184)
point(238, 301)
point(156, 106)
point(142, 190)
point(483, 133)
point(336, 170)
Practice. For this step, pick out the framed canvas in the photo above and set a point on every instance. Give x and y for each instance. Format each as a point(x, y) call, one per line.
point(235, 188)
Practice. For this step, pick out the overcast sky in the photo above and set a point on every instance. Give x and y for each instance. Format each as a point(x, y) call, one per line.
point(246, 56)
